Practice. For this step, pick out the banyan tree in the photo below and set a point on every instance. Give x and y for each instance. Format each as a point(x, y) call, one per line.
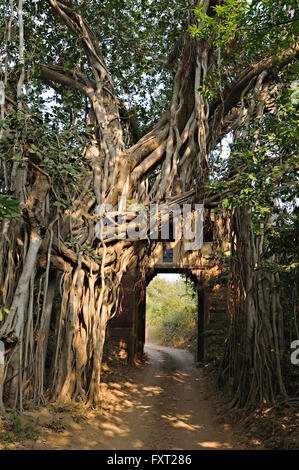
point(73, 139)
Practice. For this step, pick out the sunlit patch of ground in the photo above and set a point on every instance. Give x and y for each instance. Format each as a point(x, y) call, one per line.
point(157, 406)
point(214, 445)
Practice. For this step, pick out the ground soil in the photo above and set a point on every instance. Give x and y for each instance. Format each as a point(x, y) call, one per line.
point(165, 403)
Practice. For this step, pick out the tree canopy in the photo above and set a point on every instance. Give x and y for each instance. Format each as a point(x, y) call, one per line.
point(137, 99)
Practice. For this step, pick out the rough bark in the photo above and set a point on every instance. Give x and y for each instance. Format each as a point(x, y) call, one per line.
point(88, 292)
point(251, 364)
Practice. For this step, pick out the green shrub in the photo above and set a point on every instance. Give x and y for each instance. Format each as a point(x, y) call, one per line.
point(172, 313)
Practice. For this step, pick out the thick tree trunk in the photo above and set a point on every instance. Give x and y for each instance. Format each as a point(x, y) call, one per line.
point(88, 291)
point(252, 362)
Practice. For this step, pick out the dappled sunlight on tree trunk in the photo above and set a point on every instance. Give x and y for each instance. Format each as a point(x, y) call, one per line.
point(64, 159)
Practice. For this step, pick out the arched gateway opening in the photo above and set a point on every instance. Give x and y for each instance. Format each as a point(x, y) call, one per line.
point(171, 313)
point(127, 328)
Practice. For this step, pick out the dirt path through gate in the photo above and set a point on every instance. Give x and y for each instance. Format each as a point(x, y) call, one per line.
point(172, 409)
point(164, 404)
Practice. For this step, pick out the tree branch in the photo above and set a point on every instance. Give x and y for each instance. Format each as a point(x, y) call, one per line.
point(232, 92)
point(51, 74)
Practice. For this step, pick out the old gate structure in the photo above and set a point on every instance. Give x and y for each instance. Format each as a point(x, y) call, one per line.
point(127, 328)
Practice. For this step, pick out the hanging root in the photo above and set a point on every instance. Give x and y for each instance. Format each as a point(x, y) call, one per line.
point(252, 360)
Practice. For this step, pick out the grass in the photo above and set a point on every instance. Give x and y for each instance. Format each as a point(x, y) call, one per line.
point(12, 429)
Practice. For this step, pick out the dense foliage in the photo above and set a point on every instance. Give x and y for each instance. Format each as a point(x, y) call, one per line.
point(171, 311)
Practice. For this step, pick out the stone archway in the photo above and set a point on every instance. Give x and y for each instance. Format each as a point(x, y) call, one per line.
point(127, 328)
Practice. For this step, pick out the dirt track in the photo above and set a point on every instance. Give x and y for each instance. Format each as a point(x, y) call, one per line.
point(171, 411)
point(164, 405)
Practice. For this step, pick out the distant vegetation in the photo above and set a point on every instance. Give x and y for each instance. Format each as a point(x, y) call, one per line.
point(171, 313)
